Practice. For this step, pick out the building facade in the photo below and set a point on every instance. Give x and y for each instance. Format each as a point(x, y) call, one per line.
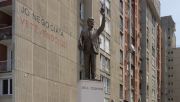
point(45, 62)
point(6, 51)
point(132, 50)
point(168, 43)
point(173, 89)
point(150, 20)
point(40, 59)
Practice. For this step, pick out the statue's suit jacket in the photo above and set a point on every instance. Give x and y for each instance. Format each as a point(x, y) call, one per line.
point(89, 40)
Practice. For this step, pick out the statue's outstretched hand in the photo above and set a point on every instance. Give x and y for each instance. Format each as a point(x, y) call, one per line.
point(102, 11)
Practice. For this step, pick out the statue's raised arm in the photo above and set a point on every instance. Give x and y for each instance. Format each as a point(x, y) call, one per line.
point(101, 28)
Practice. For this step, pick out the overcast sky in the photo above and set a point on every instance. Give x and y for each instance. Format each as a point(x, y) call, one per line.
point(172, 7)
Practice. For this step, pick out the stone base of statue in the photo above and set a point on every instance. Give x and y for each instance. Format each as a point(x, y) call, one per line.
point(90, 91)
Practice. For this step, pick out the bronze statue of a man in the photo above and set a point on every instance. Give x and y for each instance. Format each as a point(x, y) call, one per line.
point(89, 44)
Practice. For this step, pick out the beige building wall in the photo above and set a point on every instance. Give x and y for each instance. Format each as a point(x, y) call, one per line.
point(168, 43)
point(46, 54)
point(6, 99)
point(47, 62)
point(150, 19)
point(173, 75)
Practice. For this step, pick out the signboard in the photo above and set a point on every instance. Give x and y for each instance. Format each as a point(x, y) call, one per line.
point(90, 91)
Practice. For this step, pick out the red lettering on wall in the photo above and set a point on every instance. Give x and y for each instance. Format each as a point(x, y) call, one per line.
point(42, 32)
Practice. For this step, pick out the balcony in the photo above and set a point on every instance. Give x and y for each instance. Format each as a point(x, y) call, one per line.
point(4, 67)
point(5, 33)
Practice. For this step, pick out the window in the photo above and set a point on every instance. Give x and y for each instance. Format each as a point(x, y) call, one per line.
point(171, 52)
point(154, 72)
point(105, 43)
point(105, 63)
point(6, 86)
point(121, 74)
point(153, 51)
point(121, 71)
point(147, 42)
point(121, 6)
point(169, 37)
point(121, 23)
point(153, 47)
point(172, 60)
point(106, 99)
point(153, 61)
point(169, 30)
point(81, 10)
point(169, 60)
point(169, 44)
point(147, 31)
point(171, 99)
point(153, 82)
point(121, 57)
point(107, 8)
point(106, 83)
point(81, 52)
point(106, 3)
point(121, 91)
point(108, 26)
point(147, 62)
point(132, 58)
point(102, 44)
point(121, 39)
point(147, 90)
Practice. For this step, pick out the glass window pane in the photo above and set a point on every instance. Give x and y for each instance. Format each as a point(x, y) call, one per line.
point(107, 45)
point(5, 86)
point(102, 42)
point(10, 86)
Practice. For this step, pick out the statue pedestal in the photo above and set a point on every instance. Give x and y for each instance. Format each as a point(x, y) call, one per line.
point(90, 91)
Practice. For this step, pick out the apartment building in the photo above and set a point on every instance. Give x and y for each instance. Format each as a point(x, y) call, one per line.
point(38, 51)
point(168, 43)
point(43, 62)
point(150, 20)
point(132, 51)
point(173, 89)
point(40, 59)
point(6, 51)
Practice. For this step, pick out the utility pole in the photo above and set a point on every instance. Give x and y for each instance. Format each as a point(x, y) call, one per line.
point(129, 46)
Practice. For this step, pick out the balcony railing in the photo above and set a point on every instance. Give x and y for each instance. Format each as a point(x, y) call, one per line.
point(5, 33)
point(4, 66)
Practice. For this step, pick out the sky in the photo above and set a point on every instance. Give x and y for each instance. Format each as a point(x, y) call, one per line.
point(172, 7)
